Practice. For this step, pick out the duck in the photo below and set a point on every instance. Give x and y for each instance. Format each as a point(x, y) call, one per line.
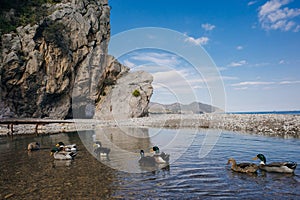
point(242, 167)
point(33, 146)
point(99, 150)
point(60, 154)
point(146, 160)
point(68, 148)
point(160, 158)
point(280, 167)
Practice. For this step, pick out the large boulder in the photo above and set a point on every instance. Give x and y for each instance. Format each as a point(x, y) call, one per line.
point(129, 98)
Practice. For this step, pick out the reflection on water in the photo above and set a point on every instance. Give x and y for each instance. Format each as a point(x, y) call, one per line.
point(36, 175)
point(124, 145)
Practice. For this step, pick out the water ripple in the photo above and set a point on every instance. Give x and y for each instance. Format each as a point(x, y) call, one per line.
point(37, 175)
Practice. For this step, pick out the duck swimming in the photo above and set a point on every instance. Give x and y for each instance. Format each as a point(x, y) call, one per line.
point(146, 160)
point(68, 148)
point(99, 150)
point(160, 158)
point(60, 154)
point(280, 167)
point(33, 146)
point(242, 167)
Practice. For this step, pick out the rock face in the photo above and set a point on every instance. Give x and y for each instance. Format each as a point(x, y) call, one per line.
point(128, 98)
point(59, 67)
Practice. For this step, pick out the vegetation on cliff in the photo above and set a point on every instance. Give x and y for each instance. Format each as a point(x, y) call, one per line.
point(14, 13)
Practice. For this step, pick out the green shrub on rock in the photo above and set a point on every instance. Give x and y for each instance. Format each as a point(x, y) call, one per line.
point(136, 93)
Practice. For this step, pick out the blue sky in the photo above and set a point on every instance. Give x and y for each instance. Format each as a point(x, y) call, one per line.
point(255, 46)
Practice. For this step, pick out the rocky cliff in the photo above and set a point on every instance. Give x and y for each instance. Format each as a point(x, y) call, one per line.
point(59, 67)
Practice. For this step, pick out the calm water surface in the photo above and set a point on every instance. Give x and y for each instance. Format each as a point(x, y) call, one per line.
point(37, 176)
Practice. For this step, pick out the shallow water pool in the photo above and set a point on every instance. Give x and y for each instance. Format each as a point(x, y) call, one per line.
point(191, 174)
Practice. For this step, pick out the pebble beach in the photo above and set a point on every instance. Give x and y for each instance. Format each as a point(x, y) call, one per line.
point(287, 126)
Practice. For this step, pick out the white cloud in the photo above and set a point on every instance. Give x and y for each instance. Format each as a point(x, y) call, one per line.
point(289, 82)
point(157, 58)
point(170, 76)
point(273, 16)
point(238, 64)
point(239, 47)
point(174, 82)
point(281, 62)
point(252, 3)
point(197, 41)
point(268, 88)
point(183, 80)
point(254, 26)
point(221, 68)
point(241, 88)
point(208, 27)
point(129, 64)
point(152, 68)
point(253, 83)
point(262, 64)
point(297, 29)
point(229, 78)
point(196, 87)
point(271, 6)
point(262, 83)
point(196, 81)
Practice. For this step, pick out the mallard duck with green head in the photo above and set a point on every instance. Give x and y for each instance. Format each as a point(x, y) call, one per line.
point(60, 154)
point(160, 158)
point(68, 148)
point(242, 167)
point(146, 160)
point(280, 167)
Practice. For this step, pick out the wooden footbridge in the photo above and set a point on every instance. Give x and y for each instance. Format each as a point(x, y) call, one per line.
point(38, 122)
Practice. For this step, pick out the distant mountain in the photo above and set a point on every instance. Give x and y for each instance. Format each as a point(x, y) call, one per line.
point(178, 108)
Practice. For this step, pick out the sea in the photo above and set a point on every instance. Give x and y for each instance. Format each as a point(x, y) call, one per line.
point(294, 112)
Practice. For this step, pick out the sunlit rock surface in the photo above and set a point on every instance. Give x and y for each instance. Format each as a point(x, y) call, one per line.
point(59, 67)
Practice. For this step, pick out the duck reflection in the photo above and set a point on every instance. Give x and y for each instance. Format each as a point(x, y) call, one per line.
point(62, 163)
point(233, 174)
point(276, 176)
point(118, 146)
point(157, 169)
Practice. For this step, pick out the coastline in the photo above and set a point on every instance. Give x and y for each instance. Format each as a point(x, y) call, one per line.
point(287, 126)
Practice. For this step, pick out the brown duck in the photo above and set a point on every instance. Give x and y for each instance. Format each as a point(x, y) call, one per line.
point(242, 167)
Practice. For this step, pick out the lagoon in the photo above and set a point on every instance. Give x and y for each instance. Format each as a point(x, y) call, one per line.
point(197, 168)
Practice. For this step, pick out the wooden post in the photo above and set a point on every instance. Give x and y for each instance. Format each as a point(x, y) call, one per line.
point(12, 129)
point(8, 126)
point(36, 129)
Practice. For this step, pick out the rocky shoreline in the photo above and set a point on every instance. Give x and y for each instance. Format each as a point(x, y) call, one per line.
point(287, 126)
point(260, 124)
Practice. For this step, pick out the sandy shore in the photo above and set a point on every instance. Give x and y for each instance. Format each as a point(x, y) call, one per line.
point(262, 124)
